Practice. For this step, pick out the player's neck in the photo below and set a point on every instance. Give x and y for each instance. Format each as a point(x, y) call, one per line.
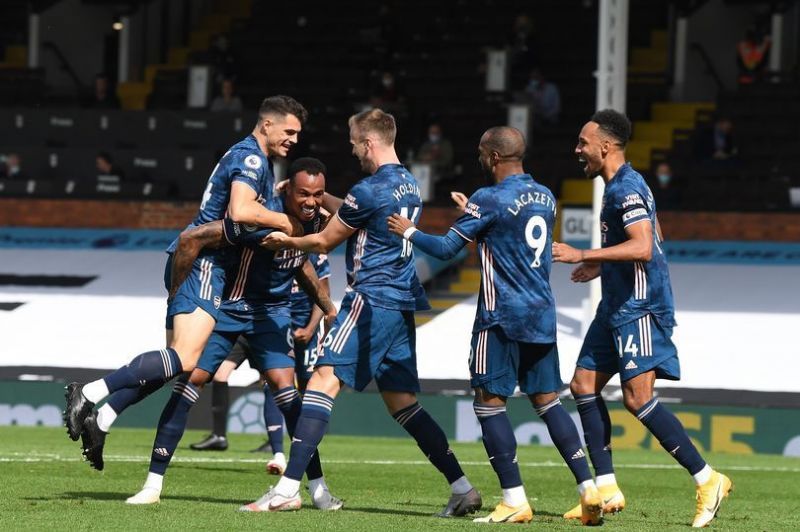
point(612, 165)
point(385, 156)
point(261, 140)
point(504, 171)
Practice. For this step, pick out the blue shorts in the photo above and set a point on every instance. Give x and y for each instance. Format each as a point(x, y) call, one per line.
point(631, 349)
point(368, 342)
point(202, 288)
point(305, 355)
point(498, 364)
point(270, 342)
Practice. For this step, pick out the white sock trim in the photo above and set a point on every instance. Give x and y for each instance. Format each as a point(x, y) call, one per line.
point(515, 496)
point(287, 487)
point(606, 480)
point(460, 486)
point(106, 417)
point(95, 391)
point(154, 481)
point(702, 476)
point(585, 485)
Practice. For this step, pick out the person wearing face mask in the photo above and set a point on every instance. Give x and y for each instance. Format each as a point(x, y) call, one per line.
point(13, 168)
point(438, 151)
point(665, 192)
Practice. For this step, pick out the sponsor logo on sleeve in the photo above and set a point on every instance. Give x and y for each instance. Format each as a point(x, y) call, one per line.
point(350, 201)
point(473, 210)
point(635, 213)
point(632, 199)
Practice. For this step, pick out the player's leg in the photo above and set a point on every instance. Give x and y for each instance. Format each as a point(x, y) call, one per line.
point(306, 420)
point(597, 363)
point(151, 369)
point(175, 414)
point(647, 352)
point(539, 376)
point(220, 401)
point(395, 371)
point(501, 449)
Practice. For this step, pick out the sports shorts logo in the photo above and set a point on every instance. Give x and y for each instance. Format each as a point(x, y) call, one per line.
point(217, 301)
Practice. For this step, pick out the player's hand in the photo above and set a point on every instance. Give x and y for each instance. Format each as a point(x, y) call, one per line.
point(275, 240)
point(460, 200)
point(398, 224)
point(566, 253)
point(303, 335)
point(328, 321)
point(585, 272)
point(280, 186)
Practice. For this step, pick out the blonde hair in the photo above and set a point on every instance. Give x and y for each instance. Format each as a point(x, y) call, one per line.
point(375, 121)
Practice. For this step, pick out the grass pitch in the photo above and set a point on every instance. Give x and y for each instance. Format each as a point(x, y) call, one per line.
point(386, 484)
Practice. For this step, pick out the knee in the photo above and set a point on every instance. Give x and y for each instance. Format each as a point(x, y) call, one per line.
point(579, 387)
point(482, 397)
point(635, 401)
point(542, 399)
point(198, 378)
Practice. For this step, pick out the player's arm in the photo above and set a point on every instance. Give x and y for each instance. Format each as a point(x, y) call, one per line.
point(325, 241)
point(304, 334)
point(442, 247)
point(190, 242)
point(638, 247)
point(658, 231)
point(319, 293)
point(243, 207)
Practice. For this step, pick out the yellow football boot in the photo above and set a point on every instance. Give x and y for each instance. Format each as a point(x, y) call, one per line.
point(504, 513)
point(709, 498)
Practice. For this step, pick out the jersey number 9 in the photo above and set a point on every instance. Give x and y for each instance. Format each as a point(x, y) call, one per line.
point(539, 242)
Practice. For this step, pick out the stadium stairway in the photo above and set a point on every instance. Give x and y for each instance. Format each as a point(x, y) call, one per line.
point(465, 283)
point(135, 95)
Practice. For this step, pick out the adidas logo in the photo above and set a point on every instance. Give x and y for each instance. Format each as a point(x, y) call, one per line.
point(631, 365)
point(161, 451)
point(578, 454)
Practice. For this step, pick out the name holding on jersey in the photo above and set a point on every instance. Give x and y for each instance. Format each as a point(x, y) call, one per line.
point(529, 198)
point(406, 188)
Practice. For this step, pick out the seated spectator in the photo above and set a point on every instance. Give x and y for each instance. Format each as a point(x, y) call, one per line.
point(11, 168)
point(665, 191)
point(438, 151)
point(107, 168)
point(716, 143)
point(386, 94)
point(103, 97)
point(752, 54)
point(545, 99)
point(227, 100)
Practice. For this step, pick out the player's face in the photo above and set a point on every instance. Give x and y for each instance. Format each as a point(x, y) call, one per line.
point(304, 195)
point(281, 133)
point(361, 150)
point(591, 149)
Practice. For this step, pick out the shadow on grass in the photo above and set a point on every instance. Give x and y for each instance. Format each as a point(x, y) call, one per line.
point(120, 497)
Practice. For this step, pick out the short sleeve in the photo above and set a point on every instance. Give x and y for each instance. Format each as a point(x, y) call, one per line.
point(478, 216)
point(239, 234)
point(359, 205)
point(322, 266)
point(248, 169)
point(631, 206)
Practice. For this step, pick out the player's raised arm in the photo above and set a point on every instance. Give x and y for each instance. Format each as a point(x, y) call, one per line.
point(190, 242)
point(334, 234)
point(311, 285)
point(442, 247)
point(245, 208)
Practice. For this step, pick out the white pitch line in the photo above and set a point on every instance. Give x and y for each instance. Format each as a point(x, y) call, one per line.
point(49, 457)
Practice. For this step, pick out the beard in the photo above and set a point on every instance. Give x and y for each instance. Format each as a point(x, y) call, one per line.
point(486, 172)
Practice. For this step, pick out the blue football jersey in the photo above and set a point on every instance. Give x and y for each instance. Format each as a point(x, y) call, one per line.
point(632, 289)
point(244, 163)
point(262, 279)
point(512, 223)
point(379, 264)
point(301, 302)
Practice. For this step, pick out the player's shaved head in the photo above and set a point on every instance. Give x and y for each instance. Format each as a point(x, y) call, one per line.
point(506, 141)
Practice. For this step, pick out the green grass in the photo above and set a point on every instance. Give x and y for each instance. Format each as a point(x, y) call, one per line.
point(46, 486)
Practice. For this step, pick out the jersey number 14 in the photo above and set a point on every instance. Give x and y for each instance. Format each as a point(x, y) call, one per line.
point(408, 246)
